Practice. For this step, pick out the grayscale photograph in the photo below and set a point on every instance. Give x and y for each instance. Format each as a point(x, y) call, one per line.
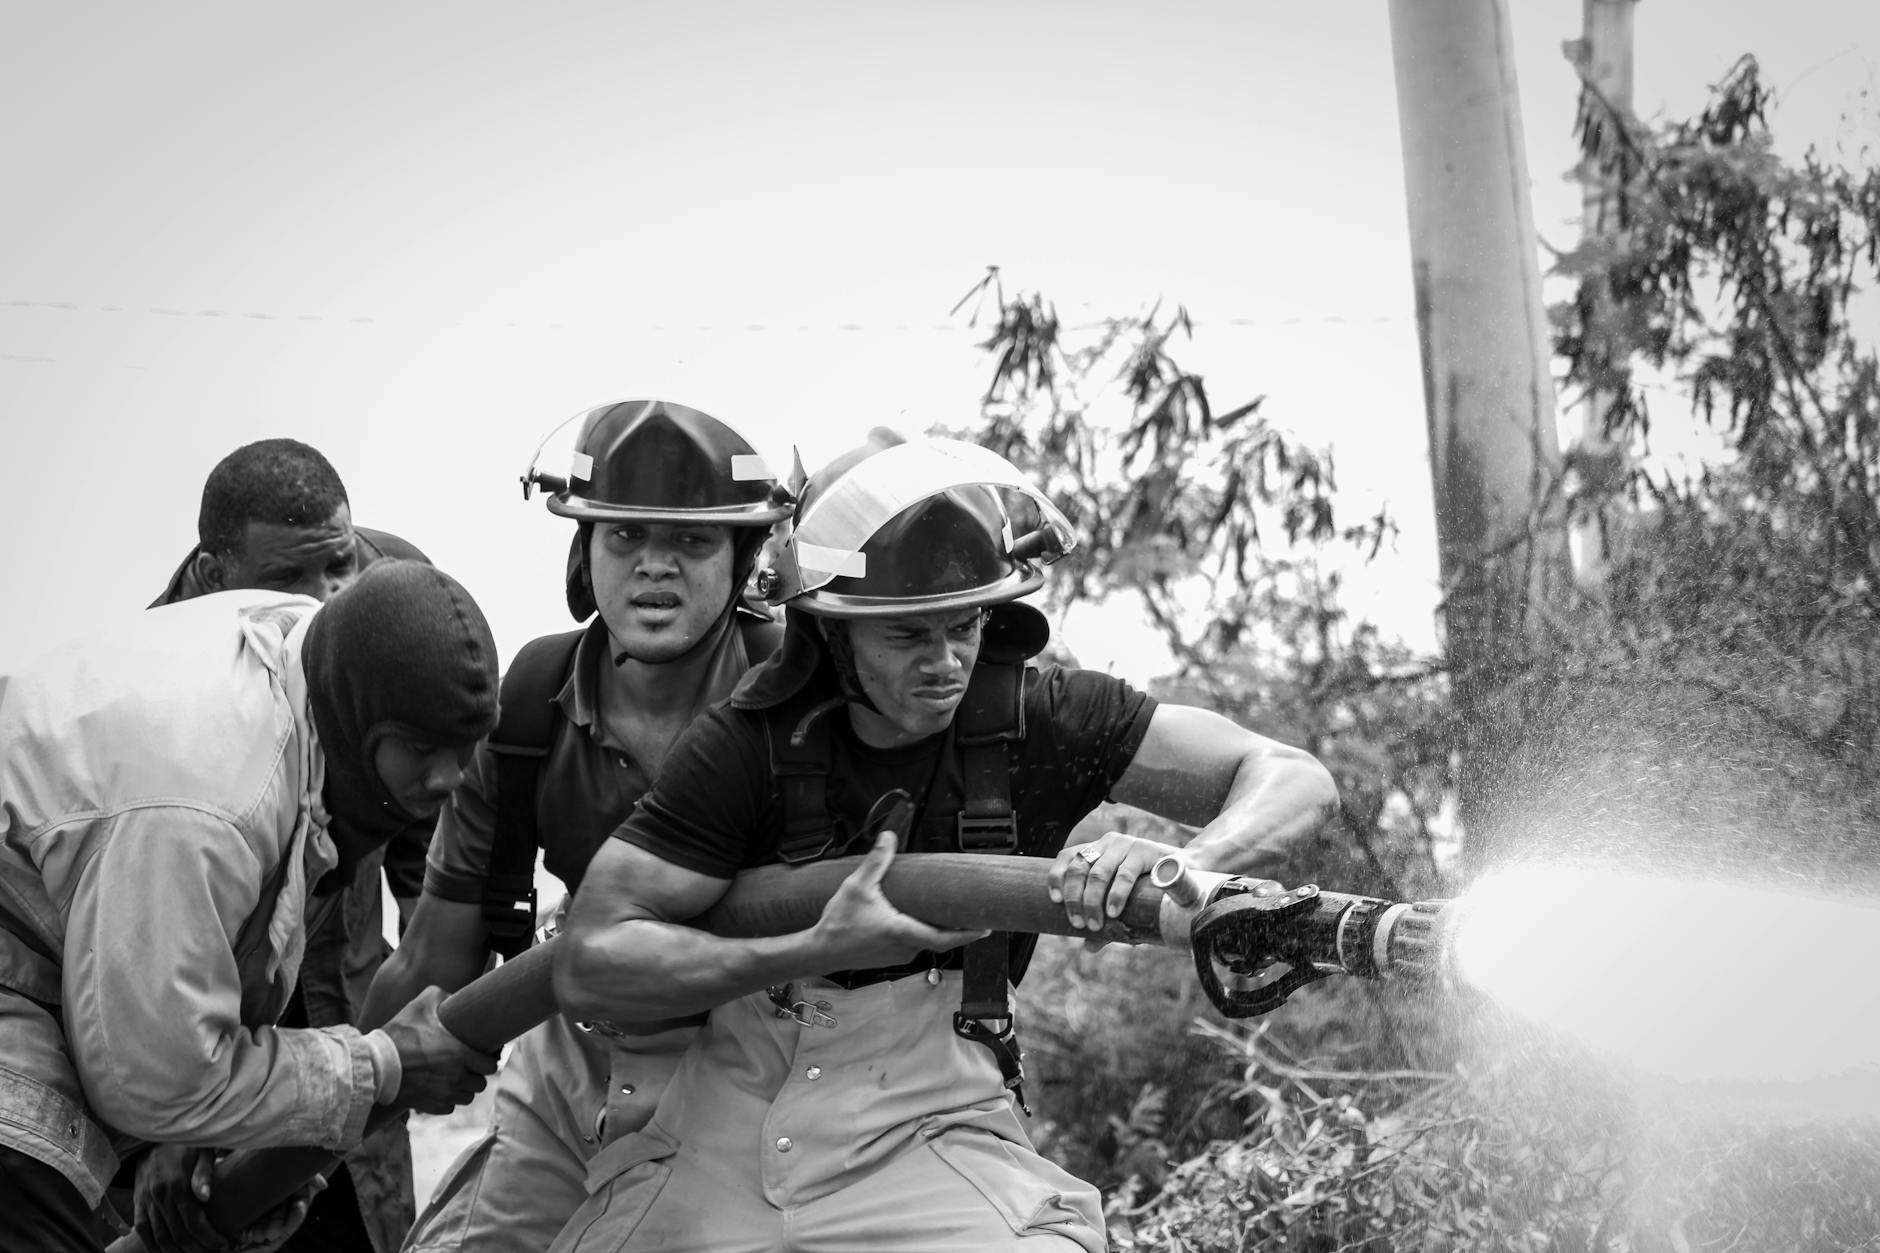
point(1216, 626)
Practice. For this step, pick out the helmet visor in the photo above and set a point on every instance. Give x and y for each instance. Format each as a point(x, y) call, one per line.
point(830, 536)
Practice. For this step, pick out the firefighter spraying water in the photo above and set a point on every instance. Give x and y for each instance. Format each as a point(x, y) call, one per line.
point(904, 673)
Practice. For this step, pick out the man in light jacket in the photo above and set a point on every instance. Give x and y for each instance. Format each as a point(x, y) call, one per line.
point(169, 790)
point(275, 515)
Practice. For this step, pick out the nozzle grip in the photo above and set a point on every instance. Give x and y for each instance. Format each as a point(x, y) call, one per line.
point(1249, 934)
point(1252, 1003)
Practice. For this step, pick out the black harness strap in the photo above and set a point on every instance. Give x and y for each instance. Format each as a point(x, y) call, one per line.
point(801, 759)
point(991, 719)
point(520, 742)
point(991, 716)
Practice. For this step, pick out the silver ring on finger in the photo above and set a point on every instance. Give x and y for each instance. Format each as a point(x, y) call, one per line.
point(1089, 855)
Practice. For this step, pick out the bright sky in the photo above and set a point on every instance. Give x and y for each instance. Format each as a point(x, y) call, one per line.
point(420, 235)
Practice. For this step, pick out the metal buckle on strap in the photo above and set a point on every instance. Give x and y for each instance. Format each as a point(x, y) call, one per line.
point(987, 834)
point(509, 910)
point(1003, 1041)
point(808, 1013)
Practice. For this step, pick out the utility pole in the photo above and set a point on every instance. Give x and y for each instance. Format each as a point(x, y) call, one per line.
point(1602, 55)
point(1487, 388)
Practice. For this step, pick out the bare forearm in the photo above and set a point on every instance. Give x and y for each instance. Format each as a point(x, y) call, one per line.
point(397, 981)
point(1275, 802)
point(642, 970)
point(405, 974)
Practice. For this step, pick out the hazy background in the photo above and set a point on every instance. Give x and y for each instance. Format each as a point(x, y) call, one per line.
point(420, 235)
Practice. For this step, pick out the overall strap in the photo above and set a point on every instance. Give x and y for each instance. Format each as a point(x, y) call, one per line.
point(991, 720)
point(519, 743)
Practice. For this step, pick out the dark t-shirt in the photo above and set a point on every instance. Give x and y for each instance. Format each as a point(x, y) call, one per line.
point(716, 810)
point(587, 784)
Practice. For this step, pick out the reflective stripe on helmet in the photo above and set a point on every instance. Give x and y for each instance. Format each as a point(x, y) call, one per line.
point(833, 561)
point(748, 466)
point(658, 462)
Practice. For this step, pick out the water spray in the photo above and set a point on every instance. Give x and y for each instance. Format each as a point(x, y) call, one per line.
point(1692, 980)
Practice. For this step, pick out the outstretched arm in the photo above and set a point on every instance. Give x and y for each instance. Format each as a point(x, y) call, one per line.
point(1253, 798)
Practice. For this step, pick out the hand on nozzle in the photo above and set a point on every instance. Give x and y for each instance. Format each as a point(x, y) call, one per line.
point(862, 929)
point(441, 1072)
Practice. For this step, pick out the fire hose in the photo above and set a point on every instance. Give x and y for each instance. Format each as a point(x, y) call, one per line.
point(1253, 946)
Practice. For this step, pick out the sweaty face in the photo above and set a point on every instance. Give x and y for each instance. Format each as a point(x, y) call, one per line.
point(915, 670)
point(420, 775)
point(659, 586)
point(315, 560)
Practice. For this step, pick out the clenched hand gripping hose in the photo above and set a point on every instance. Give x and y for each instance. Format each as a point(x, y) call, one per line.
point(1251, 952)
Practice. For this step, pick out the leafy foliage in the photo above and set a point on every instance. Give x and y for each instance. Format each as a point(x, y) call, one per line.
point(1173, 494)
point(1713, 703)
point(1740, 277)
point(1751, 587)
point(1376, 1162)
point(1174, 498)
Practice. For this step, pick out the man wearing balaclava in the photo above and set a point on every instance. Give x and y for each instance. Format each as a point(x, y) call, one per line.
point(170, 790)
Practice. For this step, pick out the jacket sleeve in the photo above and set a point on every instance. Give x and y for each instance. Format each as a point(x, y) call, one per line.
point(153, 997)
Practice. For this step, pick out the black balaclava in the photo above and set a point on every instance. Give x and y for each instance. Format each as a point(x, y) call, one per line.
point(402, 650)
point(835, 633)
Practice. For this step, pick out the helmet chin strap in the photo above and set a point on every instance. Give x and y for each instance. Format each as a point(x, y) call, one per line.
point(835, 634)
